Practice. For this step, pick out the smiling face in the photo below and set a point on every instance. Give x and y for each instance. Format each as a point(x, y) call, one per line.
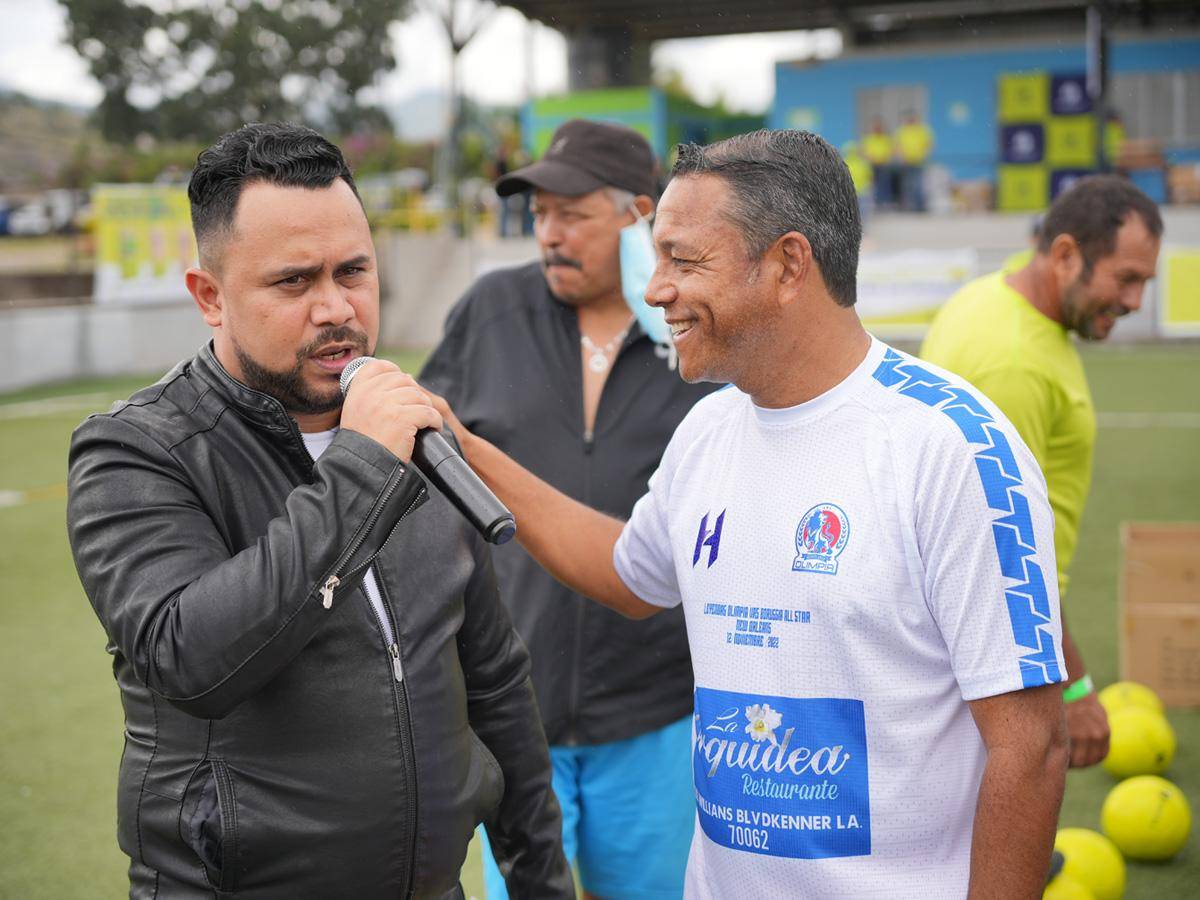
point(1091, 304)
point(717, 300)
point(292, 294)
point(580, 240)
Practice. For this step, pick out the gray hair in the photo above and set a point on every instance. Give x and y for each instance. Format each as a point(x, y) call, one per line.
point(621, 199)
point(785, 181)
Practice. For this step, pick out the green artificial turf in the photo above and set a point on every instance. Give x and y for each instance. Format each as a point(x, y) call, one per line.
point(60, 734)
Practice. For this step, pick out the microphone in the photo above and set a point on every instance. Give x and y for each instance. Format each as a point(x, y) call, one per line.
point(449, 472)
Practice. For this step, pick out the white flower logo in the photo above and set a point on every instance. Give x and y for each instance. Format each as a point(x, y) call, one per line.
point(763, 722)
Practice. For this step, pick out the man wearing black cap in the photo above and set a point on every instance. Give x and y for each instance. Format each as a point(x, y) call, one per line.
point(547, 362)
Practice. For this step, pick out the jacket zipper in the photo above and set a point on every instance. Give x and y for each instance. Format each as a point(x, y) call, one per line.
point(589, 444)
point(403, 717)
point(327, 587)
point(580, 610)
point(332, 580)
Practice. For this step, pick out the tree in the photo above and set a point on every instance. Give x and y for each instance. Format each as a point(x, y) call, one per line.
point(194, 70)
point(461, 20)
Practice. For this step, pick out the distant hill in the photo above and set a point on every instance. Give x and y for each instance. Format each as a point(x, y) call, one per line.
point(421, 118)
point(38, 141)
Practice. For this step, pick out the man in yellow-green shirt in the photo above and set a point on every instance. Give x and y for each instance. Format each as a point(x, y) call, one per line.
point(914, 145)
point(861, 174)
point(1008, 334)
point(878, 148)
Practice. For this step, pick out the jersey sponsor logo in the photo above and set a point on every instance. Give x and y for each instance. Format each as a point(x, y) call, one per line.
point(709, 539)
point(820, 539)
point(782, 776)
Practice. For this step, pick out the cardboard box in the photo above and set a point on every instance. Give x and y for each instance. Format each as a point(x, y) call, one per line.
point(1160, 609)
point(1184, 183)
point(1140, 153)
point(973, 196)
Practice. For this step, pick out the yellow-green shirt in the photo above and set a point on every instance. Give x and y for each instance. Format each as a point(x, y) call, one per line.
point(877, 148)
point(860, 172)
point(1114, 141)
point(914, 142)
point(993, 337)
point(1014, 262)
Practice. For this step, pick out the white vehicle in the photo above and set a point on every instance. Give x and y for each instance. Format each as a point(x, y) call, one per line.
point(30, 219)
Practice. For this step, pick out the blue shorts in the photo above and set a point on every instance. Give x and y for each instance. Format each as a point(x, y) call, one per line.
point(628, 813)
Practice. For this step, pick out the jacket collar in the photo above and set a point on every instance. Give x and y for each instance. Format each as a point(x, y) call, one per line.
point(258, 408)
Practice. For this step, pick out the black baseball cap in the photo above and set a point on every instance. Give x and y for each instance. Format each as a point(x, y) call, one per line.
point(585, 156)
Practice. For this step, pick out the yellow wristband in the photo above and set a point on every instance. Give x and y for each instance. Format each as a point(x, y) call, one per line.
point(1079, 689)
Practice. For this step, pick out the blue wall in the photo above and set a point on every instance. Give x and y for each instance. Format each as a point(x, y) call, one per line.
point(823, 97)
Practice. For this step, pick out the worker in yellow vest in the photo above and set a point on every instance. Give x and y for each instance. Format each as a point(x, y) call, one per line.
point(877, 146)
point(1114, 139)
point(914, 144)
point(861, 174)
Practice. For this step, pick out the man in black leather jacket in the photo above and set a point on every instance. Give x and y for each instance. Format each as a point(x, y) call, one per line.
point(323, 695)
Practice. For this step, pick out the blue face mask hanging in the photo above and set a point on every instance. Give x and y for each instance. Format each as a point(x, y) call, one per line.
point(637, 267)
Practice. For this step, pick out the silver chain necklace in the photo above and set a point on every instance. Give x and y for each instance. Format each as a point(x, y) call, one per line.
point(598, 356)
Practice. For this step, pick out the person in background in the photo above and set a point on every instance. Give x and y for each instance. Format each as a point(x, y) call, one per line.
point(1114, 139)
point(878, 148)
point(548, 362)
point(1009, 334)
point(914, 145)
point(499, 168)
point(862, 175)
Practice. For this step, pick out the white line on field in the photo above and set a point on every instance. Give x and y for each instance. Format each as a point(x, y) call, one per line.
point(11, 498)
point(1148, 420)
point(53, 406)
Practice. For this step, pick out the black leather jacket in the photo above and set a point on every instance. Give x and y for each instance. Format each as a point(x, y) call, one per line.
point(274, 746)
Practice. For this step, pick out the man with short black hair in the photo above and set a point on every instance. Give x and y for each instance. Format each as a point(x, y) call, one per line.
point(547, 362)
point(1008, 333)
point(858, 543)
point(323, 695)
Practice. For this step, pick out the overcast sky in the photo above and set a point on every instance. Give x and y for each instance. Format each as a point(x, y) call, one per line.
point(34, 59)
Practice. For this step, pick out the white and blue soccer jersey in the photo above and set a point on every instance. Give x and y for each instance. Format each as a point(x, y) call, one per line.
point(852, 570)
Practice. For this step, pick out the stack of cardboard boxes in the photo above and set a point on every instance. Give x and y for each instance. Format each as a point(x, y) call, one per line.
point(1160, 609)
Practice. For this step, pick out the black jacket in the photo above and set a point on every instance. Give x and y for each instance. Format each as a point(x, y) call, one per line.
point(276, 748)
point(509, 365)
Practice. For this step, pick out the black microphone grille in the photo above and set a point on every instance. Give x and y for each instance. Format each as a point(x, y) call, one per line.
point(351, 367)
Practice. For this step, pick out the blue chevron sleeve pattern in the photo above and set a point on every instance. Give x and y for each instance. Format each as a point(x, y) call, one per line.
point(1028, 602)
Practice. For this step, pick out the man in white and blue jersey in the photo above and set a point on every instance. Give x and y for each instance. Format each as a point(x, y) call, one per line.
point(863, 550)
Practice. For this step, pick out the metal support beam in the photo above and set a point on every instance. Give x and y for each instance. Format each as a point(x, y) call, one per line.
point(599, 57)
point(1097, 77)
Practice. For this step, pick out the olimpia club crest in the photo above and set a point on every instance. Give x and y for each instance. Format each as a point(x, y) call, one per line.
point(820, 538)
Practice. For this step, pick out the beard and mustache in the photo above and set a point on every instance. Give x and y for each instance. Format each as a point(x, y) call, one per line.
point(289, 387)
point(1080, 316)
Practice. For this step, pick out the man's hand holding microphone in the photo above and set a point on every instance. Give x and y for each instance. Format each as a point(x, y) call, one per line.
point(389, 407)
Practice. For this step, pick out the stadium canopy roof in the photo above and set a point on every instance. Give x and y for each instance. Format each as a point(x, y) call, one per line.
point(862, 22)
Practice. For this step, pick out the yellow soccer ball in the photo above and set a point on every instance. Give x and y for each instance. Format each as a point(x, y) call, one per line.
point(1092, 860)
point(1142, 743)
point(1064, 887)
point(1124, 694)
point(1147, 817)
